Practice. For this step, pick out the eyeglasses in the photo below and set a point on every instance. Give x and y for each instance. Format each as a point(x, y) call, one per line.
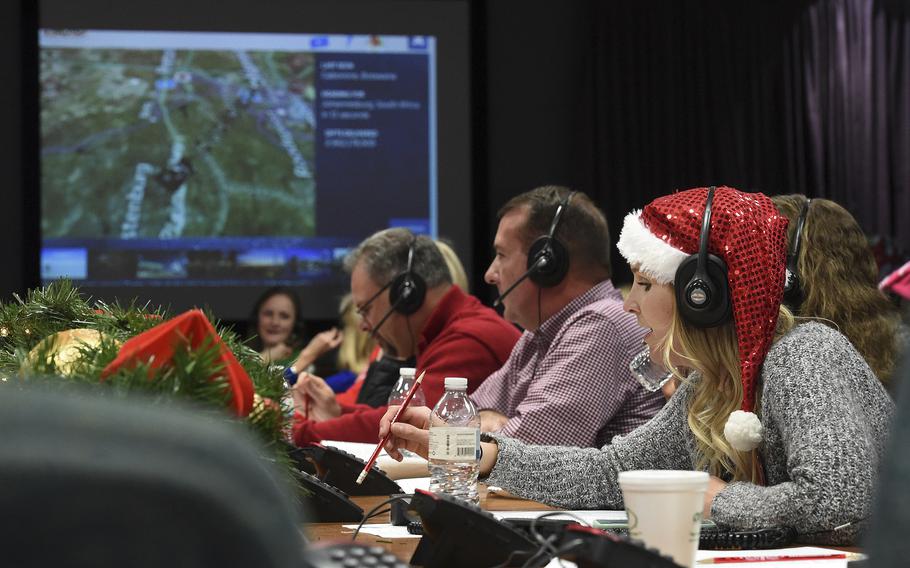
point(363, 309)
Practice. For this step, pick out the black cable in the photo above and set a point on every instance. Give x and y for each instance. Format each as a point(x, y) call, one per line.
point(372, 512)
point(407, 320)
point(546, 545)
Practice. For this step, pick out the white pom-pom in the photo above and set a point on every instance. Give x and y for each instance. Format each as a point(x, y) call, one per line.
point(743, 430)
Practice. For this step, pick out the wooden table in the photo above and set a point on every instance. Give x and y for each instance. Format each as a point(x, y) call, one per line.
point(404, 548)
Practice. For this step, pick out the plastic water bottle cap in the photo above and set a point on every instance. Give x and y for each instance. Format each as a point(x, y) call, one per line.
point(407, 371)
point(456, 383)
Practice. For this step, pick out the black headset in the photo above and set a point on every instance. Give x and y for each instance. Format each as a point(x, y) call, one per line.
point(548, 258)
point(793, 291)
point(702, 291)
point(407, 290)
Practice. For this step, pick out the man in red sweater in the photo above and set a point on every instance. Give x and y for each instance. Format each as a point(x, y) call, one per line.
point(403, 291)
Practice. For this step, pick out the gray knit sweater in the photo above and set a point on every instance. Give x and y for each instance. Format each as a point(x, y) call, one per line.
point(825, 419)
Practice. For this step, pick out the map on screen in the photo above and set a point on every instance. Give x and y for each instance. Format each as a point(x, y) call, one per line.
point(211, 158)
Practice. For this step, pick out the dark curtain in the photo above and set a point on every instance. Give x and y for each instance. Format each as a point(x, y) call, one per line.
point(846, 87)
point(628, 101)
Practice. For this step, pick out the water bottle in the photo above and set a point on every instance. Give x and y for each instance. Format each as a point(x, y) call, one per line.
point(406, 378)
point(454, 455)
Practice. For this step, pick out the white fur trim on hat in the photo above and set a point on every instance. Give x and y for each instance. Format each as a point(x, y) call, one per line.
point(643, 249)
point(743, 430)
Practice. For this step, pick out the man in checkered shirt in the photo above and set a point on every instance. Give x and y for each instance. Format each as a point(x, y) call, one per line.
point(567, 380)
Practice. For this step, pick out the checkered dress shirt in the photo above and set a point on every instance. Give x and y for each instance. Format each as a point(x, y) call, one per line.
point(569, 382)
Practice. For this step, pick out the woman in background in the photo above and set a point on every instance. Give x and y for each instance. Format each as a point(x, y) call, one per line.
point(275, 325)
point(836, 279)
point(278, 330)
point(456, 269)
point(356, 345)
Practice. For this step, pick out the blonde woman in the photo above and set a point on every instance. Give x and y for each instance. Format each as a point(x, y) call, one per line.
point(356, 345)
point(456, 269)
point(788, 420)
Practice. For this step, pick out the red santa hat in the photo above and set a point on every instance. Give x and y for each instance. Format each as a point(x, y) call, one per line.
point(750, 236)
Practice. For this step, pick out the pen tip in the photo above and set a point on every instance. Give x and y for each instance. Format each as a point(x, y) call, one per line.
point(361, 477)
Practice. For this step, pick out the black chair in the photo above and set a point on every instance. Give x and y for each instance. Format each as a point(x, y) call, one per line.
point(108, 482)
point(886, 541)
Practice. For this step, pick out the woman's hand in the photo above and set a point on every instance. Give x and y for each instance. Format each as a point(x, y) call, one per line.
point(411, 432)
point(321, 344)
point(322, 403)
point(276, 353)
point(715, 486)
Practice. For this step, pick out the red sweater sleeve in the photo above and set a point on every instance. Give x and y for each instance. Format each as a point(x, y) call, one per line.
point(455, 355)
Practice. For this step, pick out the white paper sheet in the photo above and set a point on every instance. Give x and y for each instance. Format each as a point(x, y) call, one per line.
point(409, 485)
point(384, 462)
point(360, 450)
point(384, 530)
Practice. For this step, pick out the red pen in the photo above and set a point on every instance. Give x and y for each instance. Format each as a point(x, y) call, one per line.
point(407, 401)
point(775, 558)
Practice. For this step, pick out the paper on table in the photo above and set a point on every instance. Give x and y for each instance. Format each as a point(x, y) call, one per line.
point(798, 551)
point(558, 563)
point(360, 450)
point(411, 466)
point(587, 516)
point(384, 530)
point(409, 485)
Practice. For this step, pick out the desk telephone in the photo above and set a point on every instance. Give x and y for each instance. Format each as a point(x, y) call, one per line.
point(459, 534)
point(346, 555)
point(327, 474)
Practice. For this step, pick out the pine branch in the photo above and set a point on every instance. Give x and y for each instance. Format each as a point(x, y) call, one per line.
point(194, 374)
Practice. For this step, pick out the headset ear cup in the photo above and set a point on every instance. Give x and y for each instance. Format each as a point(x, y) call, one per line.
point(557, 266)
point(793, 293)
point(718, 309)
point(407, 293)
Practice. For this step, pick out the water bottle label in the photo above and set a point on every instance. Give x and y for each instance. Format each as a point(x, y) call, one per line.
point(454, 443)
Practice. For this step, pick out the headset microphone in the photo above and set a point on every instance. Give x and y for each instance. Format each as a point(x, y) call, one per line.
point(388, 313)
point(541, 261)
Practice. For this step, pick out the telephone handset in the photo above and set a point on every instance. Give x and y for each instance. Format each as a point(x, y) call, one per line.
point(325, 503)
point(340, 469)
point(588, 547)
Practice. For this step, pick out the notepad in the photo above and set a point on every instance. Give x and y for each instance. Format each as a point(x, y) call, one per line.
point(411, 466)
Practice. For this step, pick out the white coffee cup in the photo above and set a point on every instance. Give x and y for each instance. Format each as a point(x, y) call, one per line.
point(665, 510)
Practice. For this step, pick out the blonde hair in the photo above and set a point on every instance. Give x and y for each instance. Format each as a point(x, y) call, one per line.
point(714, 353)
point(459, 277)
point(356, 345)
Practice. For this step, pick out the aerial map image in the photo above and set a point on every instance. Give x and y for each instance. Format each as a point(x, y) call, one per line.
point(173, 143)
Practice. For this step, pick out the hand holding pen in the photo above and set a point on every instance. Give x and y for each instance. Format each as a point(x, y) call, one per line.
point(385, 438)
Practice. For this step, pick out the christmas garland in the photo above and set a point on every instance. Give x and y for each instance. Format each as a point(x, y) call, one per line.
point(33, 349)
